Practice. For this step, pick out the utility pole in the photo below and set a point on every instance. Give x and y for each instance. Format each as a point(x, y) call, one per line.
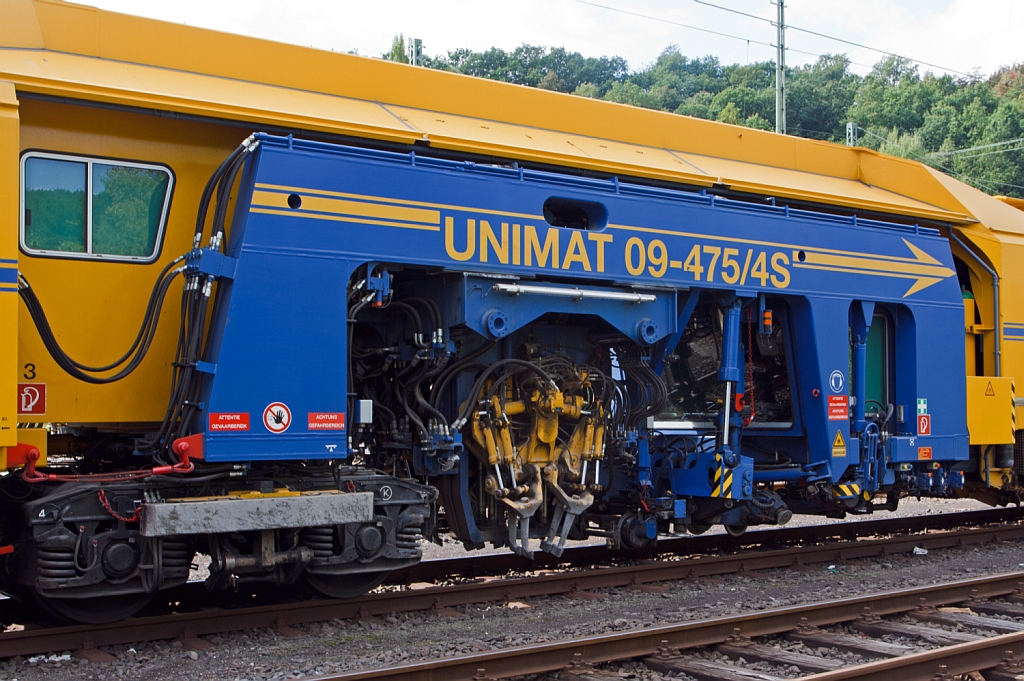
point(415, 51)
point(851, 134)
point(780, 69)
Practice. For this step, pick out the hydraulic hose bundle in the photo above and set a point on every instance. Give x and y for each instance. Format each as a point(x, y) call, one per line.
point(185, 388)
point(131, 359)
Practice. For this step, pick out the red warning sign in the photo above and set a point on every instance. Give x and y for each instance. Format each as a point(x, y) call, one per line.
point(838, 408)
point(327, 420)
point(277, 417)
point(924, 424)
point(229, 421)
point(924, 453)
point(31, 398)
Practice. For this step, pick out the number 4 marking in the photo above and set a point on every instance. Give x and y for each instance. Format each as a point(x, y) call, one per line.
point(693, 263)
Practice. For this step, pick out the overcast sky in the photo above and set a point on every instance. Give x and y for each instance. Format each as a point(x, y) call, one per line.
point(958, 35)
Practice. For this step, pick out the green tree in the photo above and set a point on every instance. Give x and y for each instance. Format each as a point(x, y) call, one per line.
point(397, 51)
point(818, 97)
point(905, 112)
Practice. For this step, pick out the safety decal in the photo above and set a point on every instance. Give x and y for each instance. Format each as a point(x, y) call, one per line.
point(838, 408)
point(990, 391)
point(924, 453)
point(922, 405)
point(31, 398)
point(722, 488)
point(837, 381)
point(277, 417)
point(924, 424)
point(838, 445)
point(846, 490)
point(326, 420)
point(229, 421)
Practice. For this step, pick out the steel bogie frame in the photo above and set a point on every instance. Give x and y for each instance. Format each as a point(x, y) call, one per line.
point(353, 278)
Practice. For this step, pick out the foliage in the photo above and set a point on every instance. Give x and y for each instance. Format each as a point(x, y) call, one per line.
point(900, 110)
point(126, 214)
point(126, 210)
point(55, 220)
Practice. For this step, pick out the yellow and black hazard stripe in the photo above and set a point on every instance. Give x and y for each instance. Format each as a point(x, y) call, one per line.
point(1013, 409)
point(843, 491)
point(722, 488)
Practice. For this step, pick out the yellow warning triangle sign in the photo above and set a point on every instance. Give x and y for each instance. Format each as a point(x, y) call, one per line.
point(839, 442)
point(990, 391)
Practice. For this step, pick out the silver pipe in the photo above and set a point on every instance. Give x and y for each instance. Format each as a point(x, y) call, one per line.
point(575, 293)
point(725, 424)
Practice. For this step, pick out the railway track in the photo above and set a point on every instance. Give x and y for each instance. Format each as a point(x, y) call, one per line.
point(987, 634)
point(817, 544)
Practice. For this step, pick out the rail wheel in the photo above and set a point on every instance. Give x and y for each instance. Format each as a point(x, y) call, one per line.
point(345, 585)
point(736, 530)
point(98, 610)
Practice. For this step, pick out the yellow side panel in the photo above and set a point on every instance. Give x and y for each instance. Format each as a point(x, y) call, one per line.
point(19, 27)
point(8, 265)
point(95, 307)
point(990, 410)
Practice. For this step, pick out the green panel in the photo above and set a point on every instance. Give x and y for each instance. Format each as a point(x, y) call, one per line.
point(55, 205)
point(127, 204)
point(877, 380)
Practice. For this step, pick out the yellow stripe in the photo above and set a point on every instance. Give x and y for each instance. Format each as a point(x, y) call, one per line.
point(873, 265)
point(342, 207)
point(338, 218)
point(861, 271)
point(405, 202)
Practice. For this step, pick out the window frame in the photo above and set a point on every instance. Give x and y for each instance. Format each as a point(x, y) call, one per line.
point(90, 161)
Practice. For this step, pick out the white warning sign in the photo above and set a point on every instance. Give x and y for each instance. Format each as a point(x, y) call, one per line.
point(277, 417)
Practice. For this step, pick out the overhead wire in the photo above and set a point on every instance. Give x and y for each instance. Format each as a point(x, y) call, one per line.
point(830, 37)
point(695, 28)
point(966, 178)
point(978, 148)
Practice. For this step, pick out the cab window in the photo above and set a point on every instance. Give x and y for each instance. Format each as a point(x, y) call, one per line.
point(93, 208)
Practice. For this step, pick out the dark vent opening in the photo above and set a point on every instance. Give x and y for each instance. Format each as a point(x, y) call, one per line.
point(575, 214)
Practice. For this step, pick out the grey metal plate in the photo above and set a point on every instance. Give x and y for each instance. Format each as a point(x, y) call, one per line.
point(264, 513)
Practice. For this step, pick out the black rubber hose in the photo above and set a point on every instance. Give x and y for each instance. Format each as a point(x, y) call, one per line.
point(211, 185)
point(412, 313)
point(140, 347)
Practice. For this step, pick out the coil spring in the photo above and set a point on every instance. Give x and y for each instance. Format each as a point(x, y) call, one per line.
point(56, 563)
point(320, 540)
point(409, 537)
point(175, 554)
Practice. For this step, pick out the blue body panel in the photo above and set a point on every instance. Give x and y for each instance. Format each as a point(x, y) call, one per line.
point(310, 214)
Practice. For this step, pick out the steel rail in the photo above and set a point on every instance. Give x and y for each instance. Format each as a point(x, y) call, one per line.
point(545, 657)
point(962, 658)
point(195, 596)
point(194, 624)
point(501, 563)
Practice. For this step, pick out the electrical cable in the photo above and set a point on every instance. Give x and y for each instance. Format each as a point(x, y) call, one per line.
point(705, 30)
point(828, 37)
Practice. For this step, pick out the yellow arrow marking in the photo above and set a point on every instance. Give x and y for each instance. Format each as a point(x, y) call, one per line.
point(924, 269)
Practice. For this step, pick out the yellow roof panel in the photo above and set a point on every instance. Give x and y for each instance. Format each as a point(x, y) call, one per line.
point(110, 57)
point(117, 82)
